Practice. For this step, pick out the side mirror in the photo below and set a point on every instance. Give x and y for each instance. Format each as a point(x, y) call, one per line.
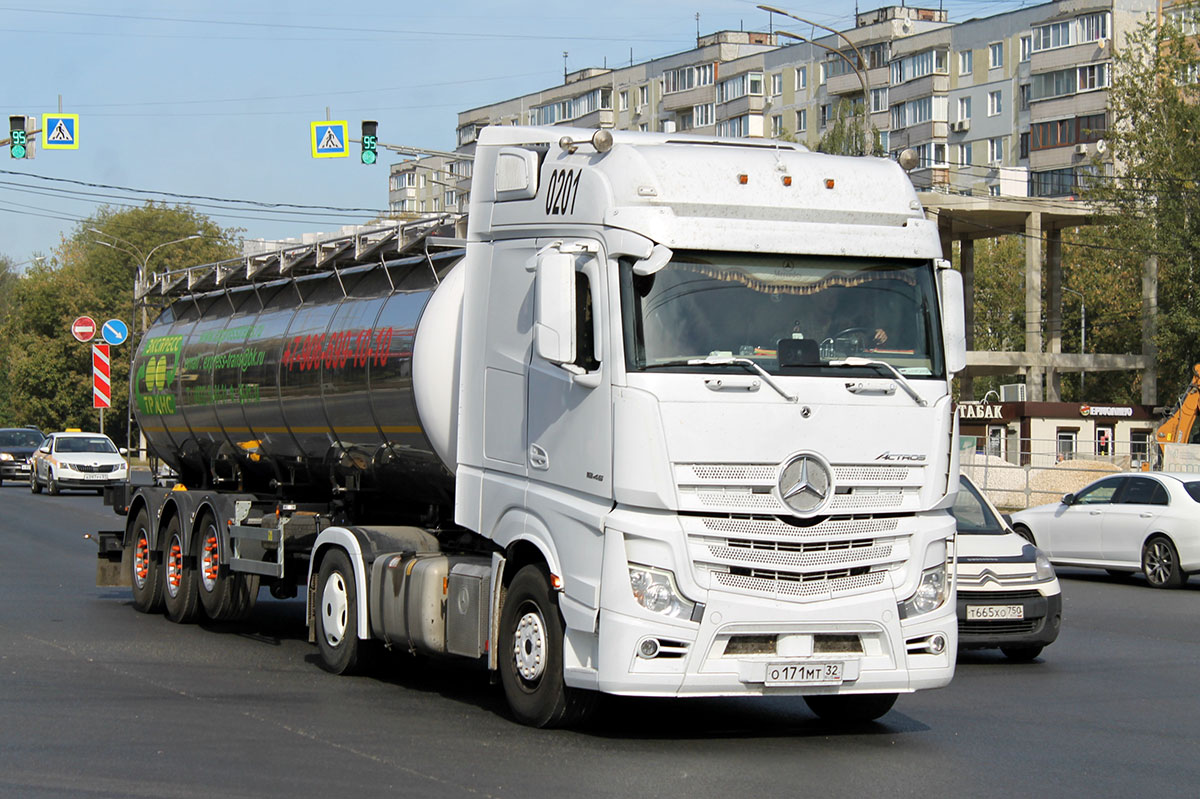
point(554, 325)
point(954, 326)
point(1068, 499)
point(123, 451)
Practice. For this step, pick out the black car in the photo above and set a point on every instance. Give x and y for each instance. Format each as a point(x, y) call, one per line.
point(17, 445)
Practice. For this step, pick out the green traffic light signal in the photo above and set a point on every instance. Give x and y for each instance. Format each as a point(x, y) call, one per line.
point(18, 140)
point(370, 141)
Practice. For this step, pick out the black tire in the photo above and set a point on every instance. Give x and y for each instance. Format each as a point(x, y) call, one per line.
point(850, 708)
point(224, 595)
point(1160, 563)
point(34, 486)
point(1022, 654)
point(181, 599)
point(1025, 533)
point(336, 614)
point(531, 655)
point(145, 574)
point(52, 485)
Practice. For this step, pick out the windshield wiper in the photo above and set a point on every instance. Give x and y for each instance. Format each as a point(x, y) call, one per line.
point(724, 361)
point(901, 379)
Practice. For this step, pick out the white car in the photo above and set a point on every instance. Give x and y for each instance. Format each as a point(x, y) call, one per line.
point(77, 460)
point(1008, 594)
point(1148, 522)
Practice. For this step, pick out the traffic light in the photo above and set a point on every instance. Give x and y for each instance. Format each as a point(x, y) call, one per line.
point(18, 141)
point(370, 141)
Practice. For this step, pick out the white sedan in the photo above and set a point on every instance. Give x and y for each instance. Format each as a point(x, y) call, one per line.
point(1148, 522)
point(77, 460)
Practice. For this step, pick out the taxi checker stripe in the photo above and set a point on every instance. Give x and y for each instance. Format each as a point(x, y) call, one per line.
point(101, 383)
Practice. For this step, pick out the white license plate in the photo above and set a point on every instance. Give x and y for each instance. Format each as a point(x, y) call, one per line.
point(804, 673)
point(91, 476)
point(995, 612)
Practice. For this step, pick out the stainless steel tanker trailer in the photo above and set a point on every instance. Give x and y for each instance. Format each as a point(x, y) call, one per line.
point(623, 437)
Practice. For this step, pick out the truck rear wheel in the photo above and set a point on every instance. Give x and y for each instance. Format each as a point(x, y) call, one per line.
point(337, 617)
point(225, 595)
point(145, 575)
point(180, 597)
point(531, 655)
point(850, 708)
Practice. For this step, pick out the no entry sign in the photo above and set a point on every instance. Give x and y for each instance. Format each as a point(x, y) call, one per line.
point(83, 328)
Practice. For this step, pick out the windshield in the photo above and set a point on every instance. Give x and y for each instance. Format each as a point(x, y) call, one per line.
point(20, 438)
point(972, 514)
point(790, 314)
point(78, 444)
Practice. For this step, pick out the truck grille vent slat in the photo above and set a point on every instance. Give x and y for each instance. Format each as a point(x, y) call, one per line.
point(783, 584)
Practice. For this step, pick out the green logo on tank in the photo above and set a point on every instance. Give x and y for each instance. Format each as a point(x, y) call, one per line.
point(155, 382)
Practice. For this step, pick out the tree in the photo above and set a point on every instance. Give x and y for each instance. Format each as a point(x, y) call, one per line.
point(850, 132)
point(1152, 199)
point(46, 374)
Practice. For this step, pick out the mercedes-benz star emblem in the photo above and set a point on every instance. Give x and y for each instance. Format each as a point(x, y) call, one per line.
point(804, 484)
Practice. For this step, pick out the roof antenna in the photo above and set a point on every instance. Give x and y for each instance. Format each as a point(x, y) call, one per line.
point(697, 28)
point(564, 67)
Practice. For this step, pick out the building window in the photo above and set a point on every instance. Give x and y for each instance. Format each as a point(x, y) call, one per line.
point(801, 78)
point(750, 83)
point(777, 84)
point(1060, 182)
point(996, 150)
point(821, 74)
point(994, 106)
point(1024, 146)
point(879, 100)
point(703, 115)
point(1093, 76)
point(1026, 47)
point(1104, 440)
point(964, 108)
point(679, 80)
point(735, 128)
point(685, 121)
point(704, 75)
point(1048, 37)
point(1023, 95)
point(1066, 132)
point(922, 109)
point(966, 62)
point(1054, 84)
point(964, 154)
point(643, 127)
point(824, 115)
point(1065, 448)
point(918, 65)
point(993, 189)
point(1093, 27)
point(931, 154)
point(801, 120)
point(643, 95)
point(1139, 446)
point(776, 127)
point(996, 55)
point(623, 98)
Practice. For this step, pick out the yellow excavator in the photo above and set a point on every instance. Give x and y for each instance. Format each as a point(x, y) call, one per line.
point(1180, 427)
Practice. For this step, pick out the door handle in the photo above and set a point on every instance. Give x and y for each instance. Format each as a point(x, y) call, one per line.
point(1145, 515)
point(1094, 513)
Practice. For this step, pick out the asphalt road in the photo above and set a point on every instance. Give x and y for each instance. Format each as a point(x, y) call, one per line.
point(97, 700)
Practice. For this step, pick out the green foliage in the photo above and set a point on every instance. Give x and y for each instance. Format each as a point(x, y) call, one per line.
point(45, 374)
point(1153, 199)
point(850, 132)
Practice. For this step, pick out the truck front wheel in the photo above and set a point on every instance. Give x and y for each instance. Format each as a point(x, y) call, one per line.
point(337, 616)
point(531, 655)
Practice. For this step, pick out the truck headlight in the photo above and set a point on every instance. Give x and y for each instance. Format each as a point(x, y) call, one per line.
point(1045, 572)
point(655, 590)
point(931, 593)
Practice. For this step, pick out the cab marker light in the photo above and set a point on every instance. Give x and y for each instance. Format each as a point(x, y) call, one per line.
point(743, 179)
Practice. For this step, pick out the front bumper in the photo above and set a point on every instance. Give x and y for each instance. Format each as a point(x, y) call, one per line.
point(699, 660)
point(1039, 627)
point(14, 470)
point(90, 482)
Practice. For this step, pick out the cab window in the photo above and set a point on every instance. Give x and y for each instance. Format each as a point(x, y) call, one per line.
point(1099, 494)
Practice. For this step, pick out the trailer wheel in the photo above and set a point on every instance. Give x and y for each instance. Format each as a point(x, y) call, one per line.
point(225, 595)
point(180, 598)
point(337, 616)
point(145, 575)
point(531, 655)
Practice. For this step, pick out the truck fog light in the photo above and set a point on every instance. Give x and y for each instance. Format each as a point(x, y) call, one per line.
point(937, 644)
point(930, 594)
point(654, 589)
point(648, 648)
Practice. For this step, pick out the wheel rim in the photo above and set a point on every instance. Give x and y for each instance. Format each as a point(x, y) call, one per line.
point(141, 560)
point(210, 558)
point(529, 646)
point(335, 608)
point(174, 566)
point(1159, 562)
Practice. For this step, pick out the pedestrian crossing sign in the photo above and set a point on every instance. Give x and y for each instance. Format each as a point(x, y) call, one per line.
point(60, 132)
point(329, 139)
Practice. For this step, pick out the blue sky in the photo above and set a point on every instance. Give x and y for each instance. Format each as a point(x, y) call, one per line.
point(214, 98)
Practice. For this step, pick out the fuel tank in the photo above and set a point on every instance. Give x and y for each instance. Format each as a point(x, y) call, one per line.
point(306, 387)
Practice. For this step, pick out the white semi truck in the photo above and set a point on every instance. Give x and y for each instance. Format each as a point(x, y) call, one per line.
point(673, 420)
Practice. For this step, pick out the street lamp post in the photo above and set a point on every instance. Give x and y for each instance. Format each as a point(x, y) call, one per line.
point(1082, 333)
point(138, 292)
point(858, 68)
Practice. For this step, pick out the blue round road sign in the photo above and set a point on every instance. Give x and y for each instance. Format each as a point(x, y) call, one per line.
point(115, 331)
